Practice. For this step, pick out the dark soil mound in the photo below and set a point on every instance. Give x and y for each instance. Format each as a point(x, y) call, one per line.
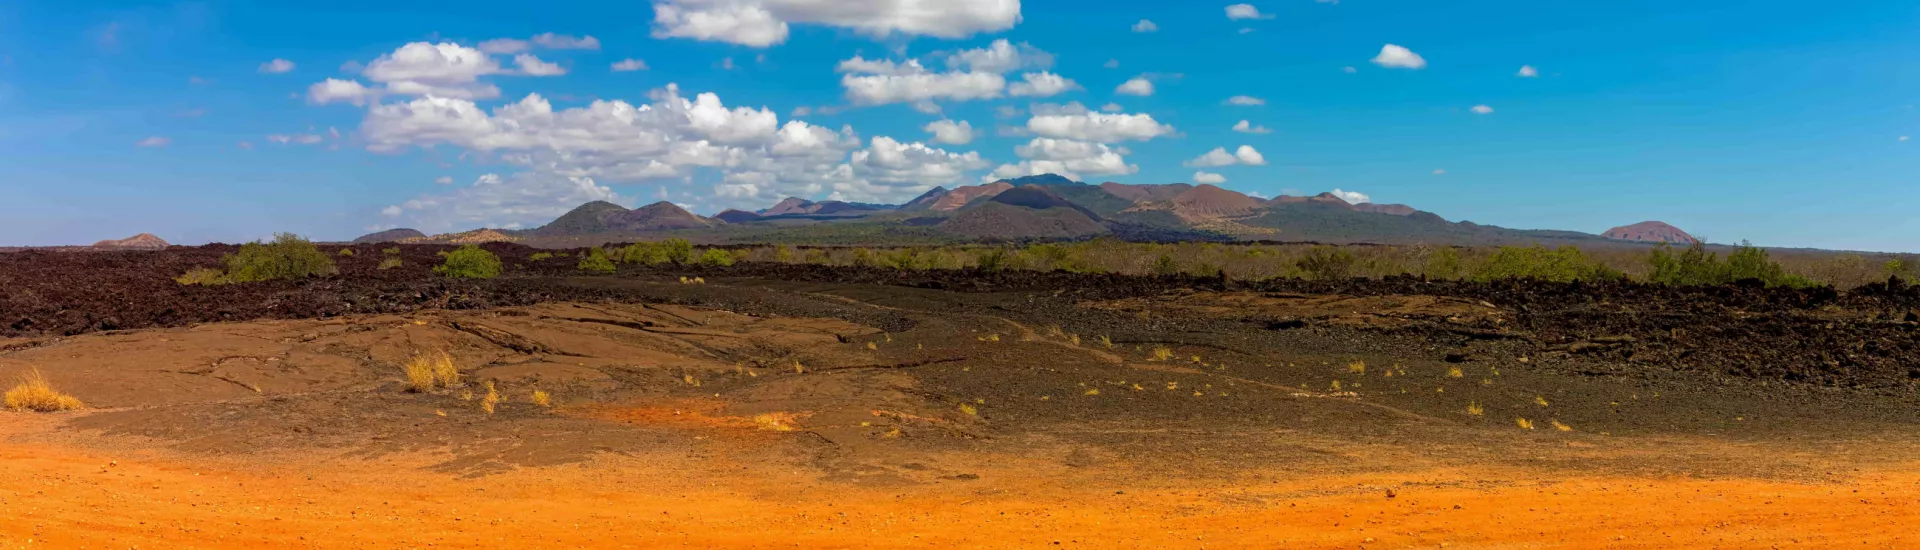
point(588, 219)
point(1039, 198)
point(390, 236)
point(1649, 232)
point(736, 216)
point(143, 241)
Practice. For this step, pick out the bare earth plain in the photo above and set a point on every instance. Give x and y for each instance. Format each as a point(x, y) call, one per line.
point(755, 412)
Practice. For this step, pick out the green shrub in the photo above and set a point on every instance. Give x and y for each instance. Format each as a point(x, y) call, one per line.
point(1444, 263)
point(1698, 267)
point(202, 276)
point(783, 254)
point(863, 257)
point(992, 260)
point(903, 259)
point(716, 257)
point(287, 257)
point(1326, 263)
point(1564, 264)
point(1166, 266)
point(538, 256)
point(596, 261)
point(470, 262)
point(394, 251)
point(644, 253)
point(678, 250)
point(389, 263)
point(348, 252)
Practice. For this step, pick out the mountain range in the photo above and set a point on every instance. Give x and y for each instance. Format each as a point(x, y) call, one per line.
point(1042, 207)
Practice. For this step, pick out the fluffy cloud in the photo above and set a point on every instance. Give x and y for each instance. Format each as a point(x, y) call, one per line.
point(154, 141)
point(343, 91)
point(544, 40)
point(1397, 57)
point(879, 82)
point(1079, 157)
point(1219, 156)
point(629, 64)
point(1139, 86)
point(1352, 197)
point(1041, 84)
point(1527, 71)
point(299, 139)
point(1112, 64)
point(1000, 57)
point(276, 66)
point(1209, 177)
point(443, 180)
point(1245, 100)
point(533, 66)
point(1097, 127)
point(762, 23)
point(511, 202)
point(1482, 110)
point(1245, 11)
point(1112, 108)
point(1145, 26)
point(1246, 127)
point(950, 132)
point(758, 159)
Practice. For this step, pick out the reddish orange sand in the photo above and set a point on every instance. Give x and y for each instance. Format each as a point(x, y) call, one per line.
point(53, 498)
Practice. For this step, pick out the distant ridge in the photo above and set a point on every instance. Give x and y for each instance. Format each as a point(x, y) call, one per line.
point(143, 241)
point(390, 236)
point(1649, 232)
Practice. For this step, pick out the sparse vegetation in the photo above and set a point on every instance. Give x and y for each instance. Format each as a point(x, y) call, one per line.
point(1523, 423)
point(390, 263)
point(1475, 409)
point(542, 398)
point(540, 256)
point(716, 257)
point(202, 276)
point(492, 398)
point(35, 393)
point(346, 252)
point(288, 256)
point(1697, 266)
point(429, 371)
point(596, 261)
point(470, 262)
point(1326, 263)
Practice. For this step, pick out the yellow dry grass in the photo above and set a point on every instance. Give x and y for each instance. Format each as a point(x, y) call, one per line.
point(542, 398)
point(1475, 409)
point(969, 409)
point(1558, 426)
point(35, 393)
point(1455, 372)
point(776, 422)
point(1161, 353)
point(1523, 423)
point(1540, 400)
point(428, 371)
point(1357, 367)
point(492, 398)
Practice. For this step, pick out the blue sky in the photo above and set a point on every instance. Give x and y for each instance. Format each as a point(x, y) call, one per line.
point(1769, 121)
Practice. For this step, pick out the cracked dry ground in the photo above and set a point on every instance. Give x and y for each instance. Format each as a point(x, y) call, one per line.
point(770, 414)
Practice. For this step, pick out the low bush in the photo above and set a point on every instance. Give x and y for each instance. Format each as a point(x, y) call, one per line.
point(678, 250)
point(1564, 264)
point(1326, 263)
point(597, 261)
point(347, 252)
point(288, 257)
point(716, 257)
point(994, 259)
point(389, 263)
point(538, 256)
point(202, 276)
point(470, 262)
point(1697, 267)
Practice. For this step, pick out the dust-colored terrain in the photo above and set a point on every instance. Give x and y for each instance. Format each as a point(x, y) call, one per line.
point(754, 412)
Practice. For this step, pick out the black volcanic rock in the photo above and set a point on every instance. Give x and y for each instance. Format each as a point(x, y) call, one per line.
point(389, 236)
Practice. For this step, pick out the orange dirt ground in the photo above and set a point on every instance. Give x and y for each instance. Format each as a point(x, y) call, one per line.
point(61, 498)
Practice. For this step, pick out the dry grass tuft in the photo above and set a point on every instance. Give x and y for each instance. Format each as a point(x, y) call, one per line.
point(1357, 367)
point(428, 371)
point(1475, 409)
point(776, 422)
point(969, 409)
point(1455, 372)
point(1540, 400)
point(1161, 353)
point(492, 398)
point(35, 393)
point(542, 398)
point(1558, 426)
point(1105, 341)
point(1523, 423)
point(872, 346)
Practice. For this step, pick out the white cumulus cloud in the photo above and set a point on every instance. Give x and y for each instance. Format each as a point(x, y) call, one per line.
point(1209, 177)
point(1098, 127)
point(343, 91)
point(880, 82)
point(153, 141)
point(1238, 12)
point(1527, 71)
point(629, 64)
point(1247, 127)
point(533, 66)
point(762, 23)
point(276, 66)
point(1145, 26)
point(1482, 110)
point(519, 200)
point(950, 132)
point(1139, 86)
point(1000, 57)
point(1398, 57)
point(1041, 84)
point(1245, 100)
point(1245, 155)
point(1352, 197)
